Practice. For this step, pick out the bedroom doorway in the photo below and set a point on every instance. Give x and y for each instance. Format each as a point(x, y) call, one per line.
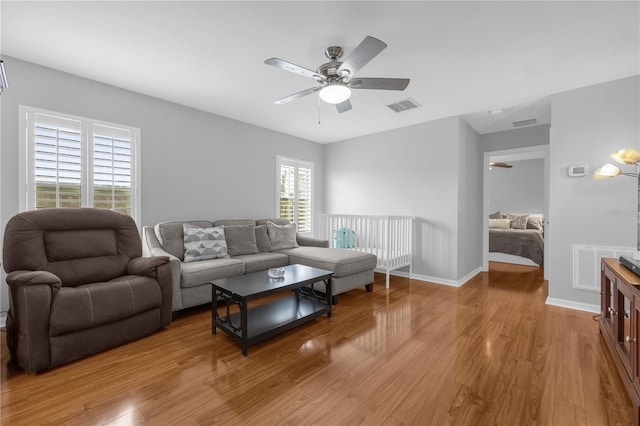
point(541, 204)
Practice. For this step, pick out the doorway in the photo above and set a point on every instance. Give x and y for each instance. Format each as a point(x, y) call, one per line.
point(507, 156)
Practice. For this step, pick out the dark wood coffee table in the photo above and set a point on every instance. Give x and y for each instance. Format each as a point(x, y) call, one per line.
point(250, 326)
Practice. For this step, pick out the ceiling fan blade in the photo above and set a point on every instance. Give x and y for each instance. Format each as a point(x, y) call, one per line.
point(503, 165)
point(368, 49)
point(297, 95)
point(343, 106)
point(380, 83)
point(296, 69)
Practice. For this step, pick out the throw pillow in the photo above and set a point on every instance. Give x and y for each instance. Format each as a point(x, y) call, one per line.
point(241, 239)
point(282, 236)
point(262, 238)
point(518, 221)
point(496, 215)
point(535, 221)
point(499, 223)
point(203, 243)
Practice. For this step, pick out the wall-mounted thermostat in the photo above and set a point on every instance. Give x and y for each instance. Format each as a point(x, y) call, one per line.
point(577, 171)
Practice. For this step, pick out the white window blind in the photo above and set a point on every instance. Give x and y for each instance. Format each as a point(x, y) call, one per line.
point(112, 171)
point(78, 162)
point(57, 170)
point(295, 192)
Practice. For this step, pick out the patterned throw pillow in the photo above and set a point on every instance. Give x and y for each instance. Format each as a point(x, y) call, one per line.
point(203, 243)
point(535, 221)
point(518, 221)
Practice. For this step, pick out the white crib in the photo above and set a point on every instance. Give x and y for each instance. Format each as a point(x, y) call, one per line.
point(390, 238)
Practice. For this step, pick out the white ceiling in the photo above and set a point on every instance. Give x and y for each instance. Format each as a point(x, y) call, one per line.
point(463, 58)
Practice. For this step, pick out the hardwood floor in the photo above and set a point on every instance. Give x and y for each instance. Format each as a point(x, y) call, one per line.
point(490, 352)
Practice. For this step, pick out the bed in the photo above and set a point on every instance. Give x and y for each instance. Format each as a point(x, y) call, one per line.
point(516, 245)
point(388, 237)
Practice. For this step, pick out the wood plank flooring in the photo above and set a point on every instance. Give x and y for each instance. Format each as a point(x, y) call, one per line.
point(490, 352)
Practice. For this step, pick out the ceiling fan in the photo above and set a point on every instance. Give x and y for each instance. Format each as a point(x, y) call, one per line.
point(336, 79)
point(503, 165)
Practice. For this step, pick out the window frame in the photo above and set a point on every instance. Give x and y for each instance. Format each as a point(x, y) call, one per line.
point(87, 125)
point(297, 164)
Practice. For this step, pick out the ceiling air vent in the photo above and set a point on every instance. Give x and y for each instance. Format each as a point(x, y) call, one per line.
point(404, 105)
point(528, 122)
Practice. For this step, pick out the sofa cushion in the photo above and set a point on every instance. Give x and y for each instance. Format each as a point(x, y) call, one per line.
point(282, 236)
point(276, 220)
point(91, 305)
point(230, 222)
point(203, 243)
point(262, 239)
point(263, 261)
point(171, 237)
point(197, 273)
point(341, 262)
point(241, 239)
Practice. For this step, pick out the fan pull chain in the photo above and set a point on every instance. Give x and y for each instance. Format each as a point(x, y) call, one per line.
point(318, 110)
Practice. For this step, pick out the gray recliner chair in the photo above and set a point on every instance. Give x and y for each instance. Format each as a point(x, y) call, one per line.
point(78, 285)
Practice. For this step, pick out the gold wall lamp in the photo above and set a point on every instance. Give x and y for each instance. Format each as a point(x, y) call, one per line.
point(627, 156)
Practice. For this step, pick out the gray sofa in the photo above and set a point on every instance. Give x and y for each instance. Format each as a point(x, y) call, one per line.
point(251, 247)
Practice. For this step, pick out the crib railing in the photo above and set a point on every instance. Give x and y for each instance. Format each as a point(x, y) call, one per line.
point(390, 238)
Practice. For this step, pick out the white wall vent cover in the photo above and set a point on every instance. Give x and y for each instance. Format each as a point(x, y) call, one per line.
point(404, 105)
point(528, 122)
point(586, 264)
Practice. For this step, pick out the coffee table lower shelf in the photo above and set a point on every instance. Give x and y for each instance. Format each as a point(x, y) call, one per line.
point(270, 319)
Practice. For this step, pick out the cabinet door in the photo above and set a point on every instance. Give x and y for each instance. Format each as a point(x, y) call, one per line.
point(623, 329)
point(636, 335)
point(608, 291)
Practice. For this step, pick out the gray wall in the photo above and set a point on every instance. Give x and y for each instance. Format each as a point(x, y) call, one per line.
point(519, 189)
point(194, 165)
point(587, 126)
point(199, 165)
point(469, 202)
point(413, 171)
point(515, 138)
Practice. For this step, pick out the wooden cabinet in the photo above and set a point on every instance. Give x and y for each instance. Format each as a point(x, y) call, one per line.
point(620, 325)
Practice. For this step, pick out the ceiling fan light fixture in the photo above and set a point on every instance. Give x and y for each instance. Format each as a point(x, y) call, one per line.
point(335, 93)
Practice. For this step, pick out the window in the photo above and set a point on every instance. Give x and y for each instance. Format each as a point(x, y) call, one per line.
point(77, 162)
point(295, 192)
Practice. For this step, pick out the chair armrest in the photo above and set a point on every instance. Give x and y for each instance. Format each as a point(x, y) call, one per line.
point(32, 294)
point(151, 247)
point(304, 240)
point(146, 265)
point(22, 278)
point(158, 268)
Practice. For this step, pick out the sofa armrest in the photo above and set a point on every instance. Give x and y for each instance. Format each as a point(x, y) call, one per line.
point(151, 247)
point(146, 266)
point(32, 293)
point(304, 240)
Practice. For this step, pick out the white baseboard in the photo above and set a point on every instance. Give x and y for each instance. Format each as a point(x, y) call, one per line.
point(435, 280)
point(3, 322)
point(570, 304)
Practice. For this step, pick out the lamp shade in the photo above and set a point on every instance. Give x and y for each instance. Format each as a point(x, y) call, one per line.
point(335, 93)
point(607, 171)
point(626, 156)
